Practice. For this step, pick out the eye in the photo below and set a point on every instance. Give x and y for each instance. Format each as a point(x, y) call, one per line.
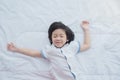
point(54, 36)
point(61, 36)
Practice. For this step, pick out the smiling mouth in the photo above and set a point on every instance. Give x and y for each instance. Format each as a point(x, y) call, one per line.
point(58, 43)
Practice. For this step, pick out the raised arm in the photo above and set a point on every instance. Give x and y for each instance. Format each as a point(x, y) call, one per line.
point(86, 43)
point(25, 51)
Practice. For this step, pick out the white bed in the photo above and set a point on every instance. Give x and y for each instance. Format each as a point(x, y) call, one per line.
point(25, 23)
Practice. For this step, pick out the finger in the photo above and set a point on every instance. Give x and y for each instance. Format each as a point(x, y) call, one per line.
point(85, 22)
point(11, 44)
point(8, 46)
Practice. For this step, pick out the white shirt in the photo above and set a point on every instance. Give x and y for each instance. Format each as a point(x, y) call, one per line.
point(64, 65)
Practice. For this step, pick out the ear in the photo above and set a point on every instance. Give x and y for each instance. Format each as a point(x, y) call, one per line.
point(67, 41)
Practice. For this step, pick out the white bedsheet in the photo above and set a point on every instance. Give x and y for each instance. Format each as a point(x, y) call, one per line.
point(25, 23)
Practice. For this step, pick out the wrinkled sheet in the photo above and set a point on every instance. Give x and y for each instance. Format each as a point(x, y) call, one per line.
point(25, 23)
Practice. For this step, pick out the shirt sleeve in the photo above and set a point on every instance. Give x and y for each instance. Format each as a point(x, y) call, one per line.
point(75, 46)
point(44, 52)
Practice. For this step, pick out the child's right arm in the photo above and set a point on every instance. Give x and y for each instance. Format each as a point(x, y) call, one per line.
point(29, 52)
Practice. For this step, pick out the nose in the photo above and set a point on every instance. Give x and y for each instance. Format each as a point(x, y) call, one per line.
point(58, 38)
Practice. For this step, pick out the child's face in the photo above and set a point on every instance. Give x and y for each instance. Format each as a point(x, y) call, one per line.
point(59, 38)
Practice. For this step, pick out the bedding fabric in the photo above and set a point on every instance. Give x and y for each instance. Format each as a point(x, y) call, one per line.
point(25, 23)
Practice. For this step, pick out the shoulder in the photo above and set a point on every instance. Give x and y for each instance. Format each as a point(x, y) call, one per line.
point(75, 46)
point(74, 43)
point(45, 50)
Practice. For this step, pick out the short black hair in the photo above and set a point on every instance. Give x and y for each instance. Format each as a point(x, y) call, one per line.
point(60, 25)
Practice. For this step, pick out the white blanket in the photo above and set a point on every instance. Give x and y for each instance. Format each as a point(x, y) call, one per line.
point(25, 23)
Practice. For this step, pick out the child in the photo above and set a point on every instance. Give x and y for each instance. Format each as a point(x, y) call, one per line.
point(61, 53)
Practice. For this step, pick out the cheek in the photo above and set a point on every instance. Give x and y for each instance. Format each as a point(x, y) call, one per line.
point(66, 40)
point(53, 39)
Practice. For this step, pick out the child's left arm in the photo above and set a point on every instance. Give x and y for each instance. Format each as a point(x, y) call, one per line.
point(86, 43)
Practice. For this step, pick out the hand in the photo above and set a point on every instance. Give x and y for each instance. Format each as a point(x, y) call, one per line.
point(85, 25)
point(11, 47)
